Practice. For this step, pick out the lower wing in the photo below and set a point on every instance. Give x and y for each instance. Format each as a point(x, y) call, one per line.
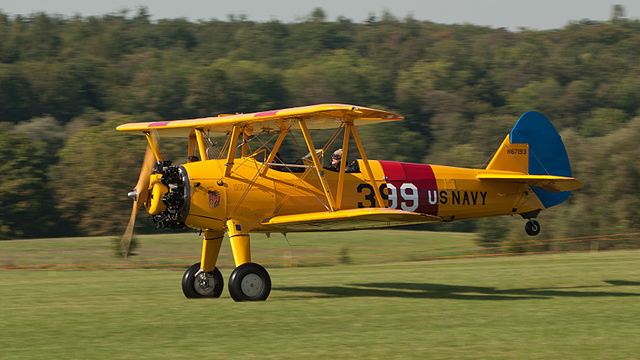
point(351, 219)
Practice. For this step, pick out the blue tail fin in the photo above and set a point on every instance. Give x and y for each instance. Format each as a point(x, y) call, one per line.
point(547, 155)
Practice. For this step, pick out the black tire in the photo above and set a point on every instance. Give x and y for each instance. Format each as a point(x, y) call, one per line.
point(532, 227)
point(198, 287)
point(249, 282)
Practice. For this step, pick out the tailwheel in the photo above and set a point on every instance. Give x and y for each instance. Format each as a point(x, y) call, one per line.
point(532, 227)
point(249, 282)
point(199, 284)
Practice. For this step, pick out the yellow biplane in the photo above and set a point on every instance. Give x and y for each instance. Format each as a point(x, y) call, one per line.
point(231, 185)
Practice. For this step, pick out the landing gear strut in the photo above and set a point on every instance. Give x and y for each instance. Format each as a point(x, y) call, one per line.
point(200, 284)
point(248, 281)
point(532, 227)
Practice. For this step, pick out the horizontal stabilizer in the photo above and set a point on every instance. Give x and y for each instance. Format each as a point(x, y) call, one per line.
point(352, 219)
point(549, 183)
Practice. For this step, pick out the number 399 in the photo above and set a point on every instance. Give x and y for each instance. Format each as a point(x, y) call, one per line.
point(408, 193)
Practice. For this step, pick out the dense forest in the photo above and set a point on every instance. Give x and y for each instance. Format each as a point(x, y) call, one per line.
point(65, 83)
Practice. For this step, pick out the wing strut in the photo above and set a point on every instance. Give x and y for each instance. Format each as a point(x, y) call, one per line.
point(152, 138)
point(202, 147)
point(235, 133)
point(316, 163)
point(366, 164)
point(343, 166)
point(283, 132)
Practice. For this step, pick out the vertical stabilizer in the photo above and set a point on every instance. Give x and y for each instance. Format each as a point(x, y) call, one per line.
point(511, 157)
point(534, 147)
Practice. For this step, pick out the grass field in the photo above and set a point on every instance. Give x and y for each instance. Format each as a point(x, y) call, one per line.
point(183, 249)
point(559, 306)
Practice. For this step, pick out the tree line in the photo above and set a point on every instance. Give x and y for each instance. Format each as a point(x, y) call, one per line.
point(66, 82)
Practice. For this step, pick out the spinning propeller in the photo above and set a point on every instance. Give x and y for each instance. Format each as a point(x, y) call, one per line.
point(139, 196)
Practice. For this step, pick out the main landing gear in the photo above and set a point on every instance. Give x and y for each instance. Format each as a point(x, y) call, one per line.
point(248, 281)
point(532, 227)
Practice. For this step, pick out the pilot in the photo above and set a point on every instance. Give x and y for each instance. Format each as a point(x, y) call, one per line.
point(335, 159)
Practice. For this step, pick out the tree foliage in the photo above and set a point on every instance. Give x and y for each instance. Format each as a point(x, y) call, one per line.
point(27, 202)
point(96, 168)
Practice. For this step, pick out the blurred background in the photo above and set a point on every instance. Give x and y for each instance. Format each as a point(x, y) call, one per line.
point(66, 82)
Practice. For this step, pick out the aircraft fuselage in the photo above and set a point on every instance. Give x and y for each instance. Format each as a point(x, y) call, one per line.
point(451, 193)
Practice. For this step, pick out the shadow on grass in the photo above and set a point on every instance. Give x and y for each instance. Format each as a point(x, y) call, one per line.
point(623, 282)
point(458, 292)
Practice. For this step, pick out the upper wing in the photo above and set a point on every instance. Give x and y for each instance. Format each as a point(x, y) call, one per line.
point(549, 183)
point(351, 219)
point(322, 116)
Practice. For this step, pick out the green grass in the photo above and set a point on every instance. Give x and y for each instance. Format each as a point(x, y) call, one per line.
point(183, 249)
point(561, 306)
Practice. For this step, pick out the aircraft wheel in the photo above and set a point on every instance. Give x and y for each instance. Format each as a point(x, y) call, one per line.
point(249, 282)
point(200, 284)
point(532, 227)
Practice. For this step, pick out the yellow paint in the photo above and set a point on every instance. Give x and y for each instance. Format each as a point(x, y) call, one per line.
point(511, 157)
point(208, 175)
point(210, 249)
point(286, 192)
point(548, 183)
point(158, 189)
point(231, 154)
point(240, 243)
point(491, 198)
point(322, 116)
point(348, 219)
point(202, 147)
point(251, 199)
